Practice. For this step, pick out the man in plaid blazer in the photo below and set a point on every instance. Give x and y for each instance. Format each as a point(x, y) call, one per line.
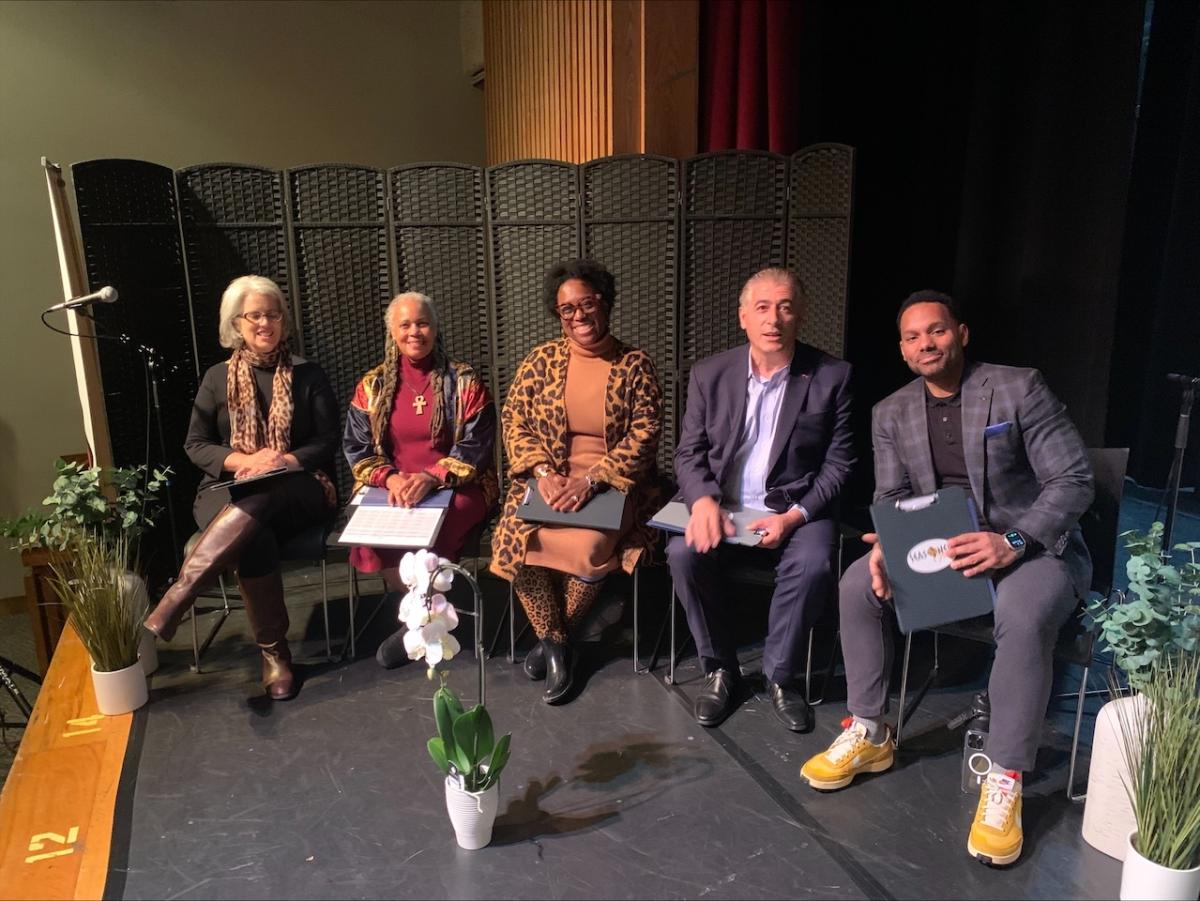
point(999, 433)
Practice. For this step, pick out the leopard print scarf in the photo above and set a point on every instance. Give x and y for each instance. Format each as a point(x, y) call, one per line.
point(248, 430)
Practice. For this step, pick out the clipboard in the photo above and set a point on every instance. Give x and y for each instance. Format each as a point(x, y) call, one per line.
point(237, 483)
point(674, 518)
point(604, 511)
point(375, 523)
point(913, 534)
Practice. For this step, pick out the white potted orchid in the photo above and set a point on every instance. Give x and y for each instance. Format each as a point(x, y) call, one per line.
point(465, 748)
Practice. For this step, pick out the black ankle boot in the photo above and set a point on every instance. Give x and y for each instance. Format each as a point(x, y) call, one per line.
point(560, 670)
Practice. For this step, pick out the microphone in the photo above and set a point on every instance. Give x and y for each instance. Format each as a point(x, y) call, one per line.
point(107, 294)
point(1183, 379)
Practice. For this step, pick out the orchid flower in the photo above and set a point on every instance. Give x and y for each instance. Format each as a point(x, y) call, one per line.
point(425, 612)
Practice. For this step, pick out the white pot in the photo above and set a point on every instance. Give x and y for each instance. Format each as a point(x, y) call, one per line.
point(148, 652)
point(120, 691)
point(472, 813)
point(1142, 878)
point(1107, 814)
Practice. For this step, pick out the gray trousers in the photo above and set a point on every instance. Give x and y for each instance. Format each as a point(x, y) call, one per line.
point(1033, 600)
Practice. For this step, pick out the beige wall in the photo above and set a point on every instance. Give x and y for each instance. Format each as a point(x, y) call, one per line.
point(180, 83)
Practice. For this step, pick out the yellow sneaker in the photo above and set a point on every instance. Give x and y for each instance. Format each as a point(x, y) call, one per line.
point(849, 755)
point(996, 836)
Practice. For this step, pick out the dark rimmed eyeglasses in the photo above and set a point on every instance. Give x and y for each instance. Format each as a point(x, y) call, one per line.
point(588, 304)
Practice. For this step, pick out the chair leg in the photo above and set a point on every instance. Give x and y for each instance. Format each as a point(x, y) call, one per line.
point(671, 662)
point(903, 690)
point(906, 711)
point(637, 660)
point(325, 608)
point(1082, 698)
point(199, 647)
point(833, 649)
point(808, 668)
point(512, 630)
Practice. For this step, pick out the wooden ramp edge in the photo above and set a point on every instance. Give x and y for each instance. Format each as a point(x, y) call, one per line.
point(56, 810)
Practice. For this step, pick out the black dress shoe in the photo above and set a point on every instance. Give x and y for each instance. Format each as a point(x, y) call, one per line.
point(560, 670)
point(791, 708)
point(535, 663)
point(717, 698)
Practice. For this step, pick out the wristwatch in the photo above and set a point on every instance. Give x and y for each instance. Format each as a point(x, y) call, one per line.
point(1016, 541)
point(593, 483)
point(541, 470)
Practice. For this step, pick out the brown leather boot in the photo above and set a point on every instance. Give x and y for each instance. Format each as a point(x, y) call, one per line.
point(220, 545)
point(267, 612)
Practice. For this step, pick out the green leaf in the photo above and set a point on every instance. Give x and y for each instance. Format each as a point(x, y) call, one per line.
point(498, 759)
point(437, 750)
point(473, 736)
point(444, 717)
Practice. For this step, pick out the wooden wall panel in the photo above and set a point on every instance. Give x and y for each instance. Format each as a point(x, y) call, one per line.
point(574, 80)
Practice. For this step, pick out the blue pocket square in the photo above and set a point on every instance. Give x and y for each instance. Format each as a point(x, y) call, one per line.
point(998, 429)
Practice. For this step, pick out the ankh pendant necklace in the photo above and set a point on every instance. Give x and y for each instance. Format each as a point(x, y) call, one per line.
point(419, 403)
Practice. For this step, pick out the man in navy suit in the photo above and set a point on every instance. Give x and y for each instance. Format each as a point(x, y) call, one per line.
point(767, 427)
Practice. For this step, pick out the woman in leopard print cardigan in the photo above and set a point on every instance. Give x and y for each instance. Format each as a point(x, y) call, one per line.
point(583, 415)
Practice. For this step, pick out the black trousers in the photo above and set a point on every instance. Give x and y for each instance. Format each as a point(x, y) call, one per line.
point(283, 506)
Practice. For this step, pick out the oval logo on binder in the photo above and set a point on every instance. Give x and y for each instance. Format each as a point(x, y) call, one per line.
point(928, 556)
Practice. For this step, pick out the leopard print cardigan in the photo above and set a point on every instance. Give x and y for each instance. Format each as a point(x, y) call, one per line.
point(534, 427)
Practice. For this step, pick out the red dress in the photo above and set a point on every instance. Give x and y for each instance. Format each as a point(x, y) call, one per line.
point(412, 450)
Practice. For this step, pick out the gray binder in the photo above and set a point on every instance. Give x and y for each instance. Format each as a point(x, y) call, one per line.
point(603, 511)
point(913, 535)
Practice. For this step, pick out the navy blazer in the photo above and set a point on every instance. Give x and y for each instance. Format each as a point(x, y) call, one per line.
point(812, 452)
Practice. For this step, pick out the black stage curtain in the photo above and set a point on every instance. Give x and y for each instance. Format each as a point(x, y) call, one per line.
point(1158, 310)
point(995, 145)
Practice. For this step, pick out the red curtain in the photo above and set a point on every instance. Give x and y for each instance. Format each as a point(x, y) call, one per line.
point(749, 75)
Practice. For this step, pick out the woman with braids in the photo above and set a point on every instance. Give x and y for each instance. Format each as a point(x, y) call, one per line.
point(262, 409)
point(417, 423)
point(583, 415)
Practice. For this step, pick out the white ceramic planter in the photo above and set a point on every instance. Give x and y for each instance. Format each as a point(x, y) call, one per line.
point(120, 691)
point(148, 652)
point(1142, 878)
point(472, 814)
point(1107, 814)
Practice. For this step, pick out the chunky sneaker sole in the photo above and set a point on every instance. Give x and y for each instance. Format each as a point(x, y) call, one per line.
point(994, 860)
point(877, 766)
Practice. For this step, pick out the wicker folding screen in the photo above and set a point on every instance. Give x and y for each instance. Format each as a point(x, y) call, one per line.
point(533, 211)
point(818, 239)
point(129, 225)
point(441, 250)
point(734, 217)
point(343, 283)
point(631, 224)
point(233, 223)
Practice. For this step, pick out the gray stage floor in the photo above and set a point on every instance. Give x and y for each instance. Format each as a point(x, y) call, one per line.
point(618, 794)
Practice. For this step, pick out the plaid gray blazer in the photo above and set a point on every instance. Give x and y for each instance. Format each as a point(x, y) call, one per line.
point(1027, 463)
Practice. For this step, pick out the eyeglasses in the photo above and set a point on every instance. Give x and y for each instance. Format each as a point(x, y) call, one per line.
point(588, 304)
point(260, 316)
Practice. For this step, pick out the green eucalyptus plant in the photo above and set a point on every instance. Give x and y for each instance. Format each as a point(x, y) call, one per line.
point(465, 747)
point(1160, 614)
point(78, 502)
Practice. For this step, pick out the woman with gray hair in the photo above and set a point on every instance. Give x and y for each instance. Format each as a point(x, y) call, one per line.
point(419, 422)
point(263, 409)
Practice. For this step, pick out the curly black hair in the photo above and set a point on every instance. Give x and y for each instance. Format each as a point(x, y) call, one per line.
point(928, 295)
point(595, 274)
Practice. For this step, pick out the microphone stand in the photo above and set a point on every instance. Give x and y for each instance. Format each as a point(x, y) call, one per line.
point(152, 362)
point(1175, 475)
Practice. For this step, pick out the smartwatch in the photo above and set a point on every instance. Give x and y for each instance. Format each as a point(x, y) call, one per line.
point(593, 483)
point(1016, 541)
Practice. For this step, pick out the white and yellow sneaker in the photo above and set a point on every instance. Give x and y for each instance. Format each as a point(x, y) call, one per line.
point(996, 835)
point(850, 754)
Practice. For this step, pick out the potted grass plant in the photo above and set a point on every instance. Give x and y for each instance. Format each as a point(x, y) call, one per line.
point(108, 502)
point(93, 584)
point(1156, 619)
point(465, 749)
point(1159, 740)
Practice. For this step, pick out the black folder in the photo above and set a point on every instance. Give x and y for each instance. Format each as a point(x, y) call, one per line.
point(603, 511)
point(913, 534)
